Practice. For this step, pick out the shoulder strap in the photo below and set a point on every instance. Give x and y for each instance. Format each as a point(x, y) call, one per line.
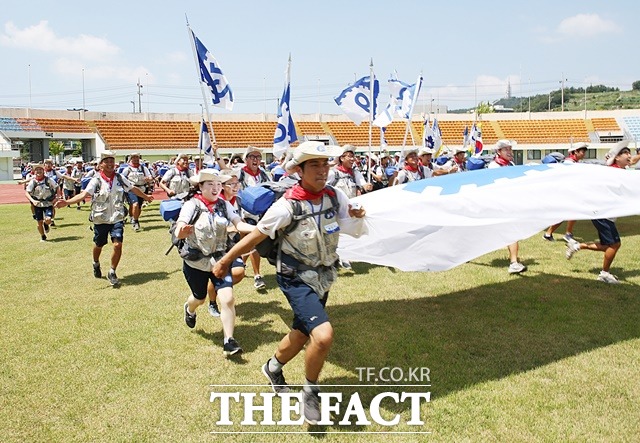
point(421, 171)
point(221, 206)
point(264, 176)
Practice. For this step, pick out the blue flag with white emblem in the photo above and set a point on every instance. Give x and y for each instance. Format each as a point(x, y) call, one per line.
point(211, 75)
point(204, 145)
point(285, 130)
point(356, 99)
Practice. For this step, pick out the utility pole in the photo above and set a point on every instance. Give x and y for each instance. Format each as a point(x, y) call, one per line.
point(139, 96)
point(134, 105)
point(562, 92)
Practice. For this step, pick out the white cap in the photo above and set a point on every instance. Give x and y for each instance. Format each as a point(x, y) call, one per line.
point(310, 150)
point(208, 175)
point(613, 152)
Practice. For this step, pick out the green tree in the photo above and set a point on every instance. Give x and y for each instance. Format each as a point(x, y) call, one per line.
point(636, 85)
point(484, 108)
point(56, 148)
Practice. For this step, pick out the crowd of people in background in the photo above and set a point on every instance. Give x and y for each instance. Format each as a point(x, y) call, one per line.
point(219, 236)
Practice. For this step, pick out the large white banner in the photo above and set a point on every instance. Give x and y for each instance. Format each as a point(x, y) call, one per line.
point(439, 223)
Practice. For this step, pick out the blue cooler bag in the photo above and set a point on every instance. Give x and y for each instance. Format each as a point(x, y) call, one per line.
point(256, 199)
point(170, 209)
point(474, 163)
point(85, 181)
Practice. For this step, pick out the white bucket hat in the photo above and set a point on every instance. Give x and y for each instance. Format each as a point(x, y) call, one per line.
point(310, 150)
point(209, 175)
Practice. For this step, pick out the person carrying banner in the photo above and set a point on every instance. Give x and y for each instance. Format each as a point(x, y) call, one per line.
point(306, 269)
point(577, 152)
point(618, 157)
point(412, 170)
point(504, 157)
point(252, 175)
point(107, 189)
point(346, 177)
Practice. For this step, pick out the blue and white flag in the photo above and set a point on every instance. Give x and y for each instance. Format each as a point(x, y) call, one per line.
point(437, 137)
point(401, 101)
point(212, 76)
point(285, 130)
point(355, 100)
point(438, 223)
point(427, 135)
point(408, 97)
point(204, 145)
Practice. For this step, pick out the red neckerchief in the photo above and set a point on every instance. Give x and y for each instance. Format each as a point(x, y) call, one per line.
point(573, 157)
point(250, 172)
point(410, 168)
point(224, 197)
point(501, 161)
point(615, 165)
point(345, 170)
point(181, 169)
point(460, 163)
point(108, 179)
point(210, 205)
point(297, 192)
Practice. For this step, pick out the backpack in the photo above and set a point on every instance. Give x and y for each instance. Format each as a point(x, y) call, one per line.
point(184, 251)
point(271, 249)
point(257, 199)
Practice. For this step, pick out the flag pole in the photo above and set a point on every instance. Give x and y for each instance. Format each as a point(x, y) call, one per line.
point(413, 103)
point(204, 94)
point(371, 110)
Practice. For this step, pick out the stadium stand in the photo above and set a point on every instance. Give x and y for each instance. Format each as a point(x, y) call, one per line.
point(28, 124)
point(119, 134)
point(9, 124)
point(59, 125)
point(633, 125)
point(605, 124)
point(545, 131)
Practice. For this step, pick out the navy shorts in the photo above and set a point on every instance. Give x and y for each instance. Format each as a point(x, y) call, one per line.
point(198, 281)
point(607, 231)
point(133, 198)
point(308, 308)
point(102, 232)
point(68, 193)
point(42, 213)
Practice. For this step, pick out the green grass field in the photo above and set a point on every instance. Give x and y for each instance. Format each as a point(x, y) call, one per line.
point(552, 355)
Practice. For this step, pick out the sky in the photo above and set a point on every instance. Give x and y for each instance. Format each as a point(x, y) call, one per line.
point(73, 54)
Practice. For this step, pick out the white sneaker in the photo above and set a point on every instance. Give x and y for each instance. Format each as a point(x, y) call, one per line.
point(608, 278)
point(572, 247)
point(516, 268)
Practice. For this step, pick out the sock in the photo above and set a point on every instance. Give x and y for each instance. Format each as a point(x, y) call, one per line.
point(189, 312)
point(275, 365)
point(112, 271)
point(310, 386)
point(226, 340)
point(96, 263)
